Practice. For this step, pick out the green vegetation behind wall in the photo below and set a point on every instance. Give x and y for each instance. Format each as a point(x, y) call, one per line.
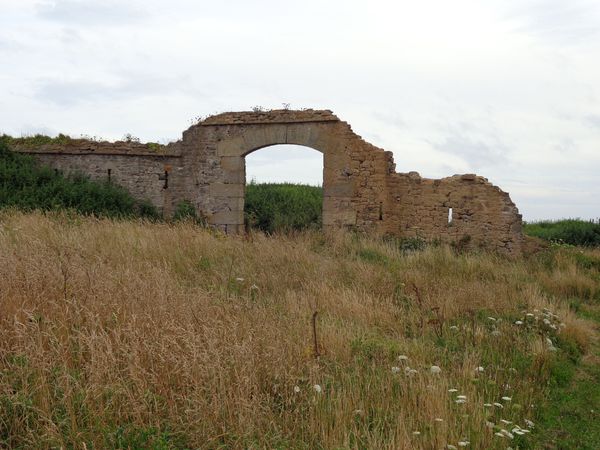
point(568, 231)
point(283, 207)
point(28, 186)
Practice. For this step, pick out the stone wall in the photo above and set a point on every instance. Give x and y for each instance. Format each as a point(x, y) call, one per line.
point(136, 167)
point(361, 189)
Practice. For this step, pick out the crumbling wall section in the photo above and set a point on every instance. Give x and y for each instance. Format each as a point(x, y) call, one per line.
point(464, 210)
point(361, 189)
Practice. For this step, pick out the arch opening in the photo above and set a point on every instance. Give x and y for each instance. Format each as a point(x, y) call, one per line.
point(283, 188)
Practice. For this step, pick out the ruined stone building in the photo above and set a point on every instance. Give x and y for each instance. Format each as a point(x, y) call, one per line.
point(361, 189)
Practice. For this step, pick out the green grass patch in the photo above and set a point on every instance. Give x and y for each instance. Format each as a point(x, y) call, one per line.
point(283, 207)
point(567, 231)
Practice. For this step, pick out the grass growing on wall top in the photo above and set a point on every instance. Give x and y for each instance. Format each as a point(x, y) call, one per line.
point(28, 186)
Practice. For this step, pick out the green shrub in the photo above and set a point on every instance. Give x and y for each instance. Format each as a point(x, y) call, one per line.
point(283, 207)
point(567, 231)
point(185, 210)
point(28, 186)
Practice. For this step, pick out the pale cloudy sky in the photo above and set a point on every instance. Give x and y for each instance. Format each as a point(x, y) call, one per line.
point(506, 89)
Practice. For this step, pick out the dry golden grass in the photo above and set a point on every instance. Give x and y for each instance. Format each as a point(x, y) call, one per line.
point(138, 335)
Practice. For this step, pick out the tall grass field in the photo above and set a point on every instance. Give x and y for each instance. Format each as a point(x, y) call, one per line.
point(136, 334)
point(122, 330)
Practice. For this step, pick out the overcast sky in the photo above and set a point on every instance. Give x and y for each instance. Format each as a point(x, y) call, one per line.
point(506, 89)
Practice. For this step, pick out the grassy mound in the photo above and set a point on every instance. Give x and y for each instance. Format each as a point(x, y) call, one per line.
point(568, 231)
point(119, 334)
point(27, 186)
point(283, 207)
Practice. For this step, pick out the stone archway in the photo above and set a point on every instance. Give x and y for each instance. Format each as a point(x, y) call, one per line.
point(283, 188)
point(238, 135)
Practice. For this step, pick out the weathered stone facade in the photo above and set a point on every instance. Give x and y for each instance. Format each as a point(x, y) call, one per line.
point(361, 189)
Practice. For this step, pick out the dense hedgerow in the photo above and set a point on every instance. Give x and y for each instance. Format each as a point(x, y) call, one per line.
point(28, 186)
point(284, 207)
point(569, 231)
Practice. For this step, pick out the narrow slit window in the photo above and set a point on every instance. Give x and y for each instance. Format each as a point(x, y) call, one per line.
point(449, 215)
point(380, 210)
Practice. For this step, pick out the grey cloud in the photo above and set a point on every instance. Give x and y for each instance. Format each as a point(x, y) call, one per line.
point(475, 151)
point(392, 119)
point(559, 21)
point(10, 45)
point(477, 146)
point(593, 120)
point(81, 12)
point(67, 93)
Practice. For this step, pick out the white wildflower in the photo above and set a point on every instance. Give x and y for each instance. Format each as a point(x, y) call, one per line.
point(416, 433)
point(317, 388)
point(435, 369)
point(487, 405)
point(479, 369)
point(296, 389)
point(239, 279)
point(507, 399)
point(518, 322)
point(546, 322)
point(529, 423)
point(507, 433)
point(437, 419)
point(489, 424)
point(395, 369)
point(451, 447)
point(499, 405)
point(463, 443)
point(529, 314)
point(493, 319)
point(461, 397)
point(452, 390)
point(505, 422)
point(461, 400)
point(402, 358)
point(454, 328)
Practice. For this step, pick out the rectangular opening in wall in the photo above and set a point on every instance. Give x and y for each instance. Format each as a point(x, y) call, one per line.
point(449, 216)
